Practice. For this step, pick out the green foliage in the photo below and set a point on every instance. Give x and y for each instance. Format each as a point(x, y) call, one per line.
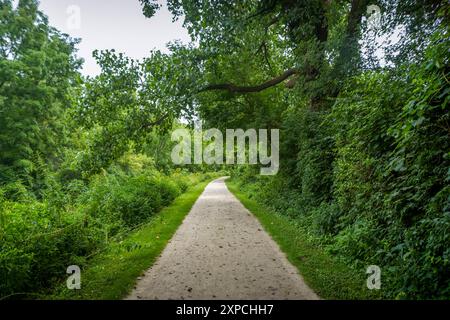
point(124, 200)
point(371, 177)
point(365, 149)
point(149, 7)
point(37, 70)
point(133, 103)
point(112, 273)
point(40, 239)
point(37, 243)
point(329, 277)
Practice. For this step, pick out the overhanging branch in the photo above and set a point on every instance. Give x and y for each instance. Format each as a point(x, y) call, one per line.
point(157, 122)
point(248, 89)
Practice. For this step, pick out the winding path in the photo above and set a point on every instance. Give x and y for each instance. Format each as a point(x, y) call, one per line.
point(221, 252)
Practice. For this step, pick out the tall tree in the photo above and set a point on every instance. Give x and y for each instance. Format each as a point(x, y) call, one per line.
point(37, 69)
point(319, 38)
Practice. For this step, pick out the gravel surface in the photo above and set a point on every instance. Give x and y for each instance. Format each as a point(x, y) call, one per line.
point(221, 251)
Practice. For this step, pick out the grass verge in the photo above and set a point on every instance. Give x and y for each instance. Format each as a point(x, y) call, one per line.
point(111, 274)
point(327, 276)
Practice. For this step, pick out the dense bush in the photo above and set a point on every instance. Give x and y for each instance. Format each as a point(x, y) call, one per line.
point(384, 198)
point(124, 200)
point(40, 239)
point(37, 241)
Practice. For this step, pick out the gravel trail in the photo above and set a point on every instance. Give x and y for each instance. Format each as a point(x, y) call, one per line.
point(221, 251)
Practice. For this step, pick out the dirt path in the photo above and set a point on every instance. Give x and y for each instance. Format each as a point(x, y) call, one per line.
point(221, 252)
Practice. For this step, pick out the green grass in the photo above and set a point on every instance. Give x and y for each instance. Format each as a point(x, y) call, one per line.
point(327, 276)
point(112, 273)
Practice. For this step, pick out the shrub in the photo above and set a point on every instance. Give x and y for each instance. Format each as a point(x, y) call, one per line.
point(384, 198)
point(40, 239)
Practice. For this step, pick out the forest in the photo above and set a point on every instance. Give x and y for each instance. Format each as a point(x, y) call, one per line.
point(362, 105)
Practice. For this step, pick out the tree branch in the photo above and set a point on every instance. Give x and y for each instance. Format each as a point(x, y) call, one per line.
point(263, 48)
point(270, 6)
point(348, 50)
point(157, 122)
point(248, 89)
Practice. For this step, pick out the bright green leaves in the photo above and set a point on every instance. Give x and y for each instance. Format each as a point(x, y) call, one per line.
point(130, 99)
point(391, 167)
point(105, 97)
point(428, 105)
point(37, 68)
point(138, 94)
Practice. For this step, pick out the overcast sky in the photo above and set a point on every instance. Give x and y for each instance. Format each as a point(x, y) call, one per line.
point(112, 24)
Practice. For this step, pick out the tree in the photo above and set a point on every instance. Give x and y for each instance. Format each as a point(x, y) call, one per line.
point(319, 37)
point(37, 69)
point(364, 146)
point(131, 99)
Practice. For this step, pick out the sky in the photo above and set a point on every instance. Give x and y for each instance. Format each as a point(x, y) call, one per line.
point(112, 24)
point(120, 25)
